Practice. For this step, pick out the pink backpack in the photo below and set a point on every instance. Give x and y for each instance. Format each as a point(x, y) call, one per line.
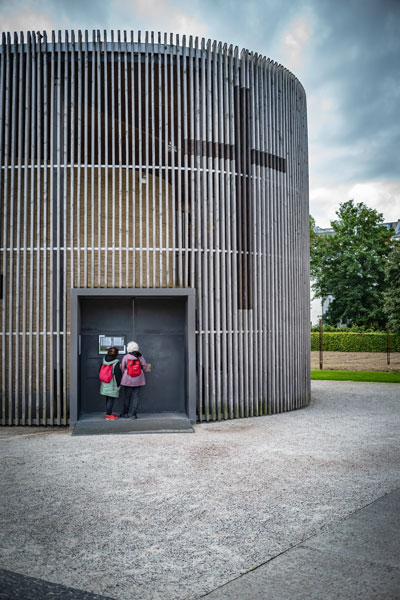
point(106, 373)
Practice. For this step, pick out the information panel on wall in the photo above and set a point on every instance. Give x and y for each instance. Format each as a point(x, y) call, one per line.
point(106, 341)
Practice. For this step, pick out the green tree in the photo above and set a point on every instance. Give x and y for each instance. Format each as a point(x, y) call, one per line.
point(392, 294)
point(316, 241)
point(350, 266)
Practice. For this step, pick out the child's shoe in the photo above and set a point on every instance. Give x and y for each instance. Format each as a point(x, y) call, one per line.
point(111, 417)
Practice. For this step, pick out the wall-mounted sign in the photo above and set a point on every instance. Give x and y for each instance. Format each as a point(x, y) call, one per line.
point(106, 341)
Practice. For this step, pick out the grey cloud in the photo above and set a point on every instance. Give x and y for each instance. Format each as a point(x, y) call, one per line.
point(253, 25)
point(357, 57)
point(65, 14)
point(352, 58)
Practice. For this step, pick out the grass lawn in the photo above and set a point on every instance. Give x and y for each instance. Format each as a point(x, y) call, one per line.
point(380, 376)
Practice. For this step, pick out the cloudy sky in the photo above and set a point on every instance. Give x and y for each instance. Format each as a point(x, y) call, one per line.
point(346, 53)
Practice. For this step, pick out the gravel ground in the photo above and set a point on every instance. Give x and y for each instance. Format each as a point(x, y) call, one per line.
point(357, 361)
point(172, 516)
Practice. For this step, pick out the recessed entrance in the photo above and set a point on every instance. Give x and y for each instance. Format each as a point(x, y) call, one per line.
point(161, 321)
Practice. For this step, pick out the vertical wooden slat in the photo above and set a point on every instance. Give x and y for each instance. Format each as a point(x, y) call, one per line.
point(229, 176)
point(113, 144)
point(188, 252)
point(258, 227)
point(153, 170)
point(263, 243)
point(267, 313)
point(205, 226)
point(100, 59)
point(193, 177)
point(106, 159)
point(56, 337)
point(166, 161)
point(238, 276)
point(254, 280)
point(246, 214)
point(39, 199)
point(128, 170)
point(134, 172)
point(163, 253)
point(92, 129)
point(210, 230)
point(52, 218)
point(66, 254)
point(146, 155)
point(223, 285)
point(3, 233)
point(11, 363)
point(281, 308)
point(30, 162)
point(172, 149)
point(290, 324)
point(198, 113)
point(140, 154)
point(274, 292)
point(119, 98)
point(4, 178)
point(216, 254)
point(19, 381)
point(26, 83)
point(85, 161)
point(72, 159)
point(177, 176)
point(79, 163)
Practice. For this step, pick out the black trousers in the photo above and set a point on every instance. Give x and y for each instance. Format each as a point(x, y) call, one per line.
point(129, 394)
point(109, 404)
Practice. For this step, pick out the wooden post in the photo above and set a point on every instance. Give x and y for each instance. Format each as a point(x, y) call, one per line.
point(320, 346)
point(388, 344)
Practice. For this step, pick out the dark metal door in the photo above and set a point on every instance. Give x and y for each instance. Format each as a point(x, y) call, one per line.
point(109, 316)
point(159, 329)
point(158, 325)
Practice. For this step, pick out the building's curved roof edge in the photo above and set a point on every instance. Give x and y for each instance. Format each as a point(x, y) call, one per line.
point(123, 36)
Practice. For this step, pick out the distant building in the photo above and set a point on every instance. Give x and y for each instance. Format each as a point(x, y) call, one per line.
point(396, 226)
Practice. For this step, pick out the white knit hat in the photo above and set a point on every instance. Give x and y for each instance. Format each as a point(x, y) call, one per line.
point(132, 347)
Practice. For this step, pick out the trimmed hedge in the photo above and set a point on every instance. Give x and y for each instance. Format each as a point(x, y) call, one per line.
point(355, 342)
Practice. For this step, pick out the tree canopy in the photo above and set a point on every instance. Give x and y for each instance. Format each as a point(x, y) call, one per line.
point(392, 294)
point(350, 266)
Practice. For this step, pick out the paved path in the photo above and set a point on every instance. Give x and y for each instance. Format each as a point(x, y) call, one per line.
point(357, 558)
point(289, 505)
point(14, 586)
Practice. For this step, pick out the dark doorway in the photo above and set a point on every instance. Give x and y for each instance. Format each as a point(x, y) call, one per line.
point(162, 322)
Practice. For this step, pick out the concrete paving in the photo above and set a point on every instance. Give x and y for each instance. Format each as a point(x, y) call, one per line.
point(14, 586)
point(357, 558)
point(96, 424)
point(301, 505)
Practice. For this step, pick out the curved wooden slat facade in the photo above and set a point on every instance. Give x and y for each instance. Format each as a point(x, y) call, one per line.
point(146, 160)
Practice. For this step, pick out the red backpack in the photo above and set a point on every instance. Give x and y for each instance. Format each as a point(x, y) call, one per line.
point(134, 368)
point(106, 372)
